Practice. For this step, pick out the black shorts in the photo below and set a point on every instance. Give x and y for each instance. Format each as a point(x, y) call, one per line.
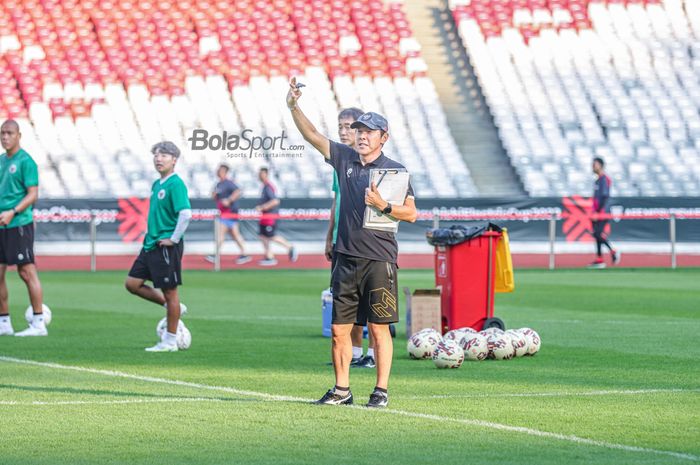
point(364, 291)
point(162, 266)
point(269, 230)
point(17, 245)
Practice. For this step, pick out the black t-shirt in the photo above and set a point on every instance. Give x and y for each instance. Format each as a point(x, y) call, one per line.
point(353, 179)
point(223, 190)
point(268, 193)
point(601, 193)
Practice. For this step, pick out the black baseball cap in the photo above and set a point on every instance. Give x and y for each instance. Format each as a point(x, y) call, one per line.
point(372, 120)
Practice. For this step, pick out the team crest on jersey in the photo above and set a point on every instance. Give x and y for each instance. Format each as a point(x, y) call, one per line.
point(161, 194)
point(349, 172)
point(13, 169)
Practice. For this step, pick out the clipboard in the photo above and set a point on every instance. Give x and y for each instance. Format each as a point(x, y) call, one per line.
point(392, 185)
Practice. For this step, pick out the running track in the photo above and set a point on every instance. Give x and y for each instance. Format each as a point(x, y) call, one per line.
point(414, 261)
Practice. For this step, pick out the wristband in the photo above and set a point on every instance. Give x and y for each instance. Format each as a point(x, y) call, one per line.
point(387, 210)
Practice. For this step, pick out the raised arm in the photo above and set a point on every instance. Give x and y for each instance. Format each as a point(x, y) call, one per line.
point(307, 129)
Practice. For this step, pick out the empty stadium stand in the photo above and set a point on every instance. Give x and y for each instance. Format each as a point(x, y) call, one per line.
point(94, 83)
point(567, 80)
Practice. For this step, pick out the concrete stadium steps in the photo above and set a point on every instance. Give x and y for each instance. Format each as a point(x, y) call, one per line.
point(468, 117)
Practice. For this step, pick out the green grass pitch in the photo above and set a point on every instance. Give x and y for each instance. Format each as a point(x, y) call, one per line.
point(617, 380)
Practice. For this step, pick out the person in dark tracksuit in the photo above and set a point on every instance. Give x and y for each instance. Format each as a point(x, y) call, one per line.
point(601, 200)
point(364, 273)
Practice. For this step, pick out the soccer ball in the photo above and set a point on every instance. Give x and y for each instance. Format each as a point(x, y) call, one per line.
point(422, 344)
point(448, 354)
point(492, 330)
point(183, 335)
point(475, 346)
point(500, 347)
point(29, 314)
point(457, 334)
point(533, 340)
point(453, 335)
point(519, 342)
point(430, 331)
point(184, 338)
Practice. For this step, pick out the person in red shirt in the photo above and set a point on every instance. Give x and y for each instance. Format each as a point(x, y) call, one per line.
point(601, 200)
point(269, 204)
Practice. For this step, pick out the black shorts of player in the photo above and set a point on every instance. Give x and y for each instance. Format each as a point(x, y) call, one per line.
point(162, 266)
point(17, 245)
point(268, 230)
point(364, 291)
point(599, 228)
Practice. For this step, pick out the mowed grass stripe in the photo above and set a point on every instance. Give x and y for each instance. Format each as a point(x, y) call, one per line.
point(260, 331)
point(389, 411)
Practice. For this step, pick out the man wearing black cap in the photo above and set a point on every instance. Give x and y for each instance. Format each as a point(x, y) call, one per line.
point(364, 276)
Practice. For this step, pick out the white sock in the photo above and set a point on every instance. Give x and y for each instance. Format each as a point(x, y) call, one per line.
point(370, 352)
point(38, 321)
point(170, 338)
point(356, 352)
point(5, 319)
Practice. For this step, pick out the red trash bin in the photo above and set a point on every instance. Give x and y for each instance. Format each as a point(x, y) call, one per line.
point(466, 273)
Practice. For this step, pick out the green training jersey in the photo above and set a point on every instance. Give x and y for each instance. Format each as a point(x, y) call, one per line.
point(336, 191)
point(17, 174)
point(168, 198)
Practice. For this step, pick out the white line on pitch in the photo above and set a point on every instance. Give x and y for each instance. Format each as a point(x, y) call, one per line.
point(150, 379)
point(154, 400)
point(271, 397)
point(543, 434)
point(555, 394)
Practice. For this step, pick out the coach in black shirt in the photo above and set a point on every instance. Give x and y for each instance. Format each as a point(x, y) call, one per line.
point(364, 277)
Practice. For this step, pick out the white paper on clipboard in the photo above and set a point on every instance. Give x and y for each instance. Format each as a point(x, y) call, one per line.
point(392, 185)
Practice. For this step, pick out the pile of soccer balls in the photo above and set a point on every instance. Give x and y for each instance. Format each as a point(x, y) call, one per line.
point(183, 335)
point(450, 350)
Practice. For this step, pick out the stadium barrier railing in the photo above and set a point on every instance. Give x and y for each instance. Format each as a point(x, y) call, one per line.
point(436, 217)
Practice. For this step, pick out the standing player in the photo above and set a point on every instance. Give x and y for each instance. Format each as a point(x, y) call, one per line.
point(19, 189)
point(347, 136)
point(601, 197)
point(364, 275)
point(226, 194)
point(269, 204)
point(169, 214)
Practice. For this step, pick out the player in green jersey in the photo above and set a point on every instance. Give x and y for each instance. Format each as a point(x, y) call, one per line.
point(160, 260)
point(19, 189)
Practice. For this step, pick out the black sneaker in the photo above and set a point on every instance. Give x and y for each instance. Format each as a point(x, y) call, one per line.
point(353, 362)
point(331, 398)
point(365, 362)
point(378, 399)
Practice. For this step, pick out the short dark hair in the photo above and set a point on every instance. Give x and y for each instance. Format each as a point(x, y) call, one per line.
point(351, 112)
point(265, 170)
point(224, 167)
point(11, 123)
point(166, 147)
point(599, 160)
